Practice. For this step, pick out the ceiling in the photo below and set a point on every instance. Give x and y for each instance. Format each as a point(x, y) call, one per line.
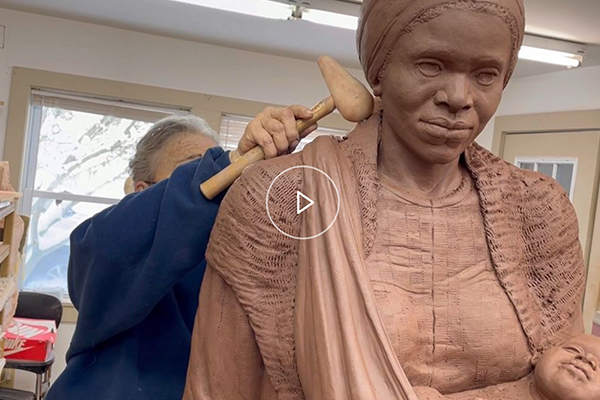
point(574, 20)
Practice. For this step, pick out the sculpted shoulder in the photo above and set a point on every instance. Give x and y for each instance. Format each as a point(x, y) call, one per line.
point(245, 248)
point(254, 183)
point(541, 193)
point(531, 188)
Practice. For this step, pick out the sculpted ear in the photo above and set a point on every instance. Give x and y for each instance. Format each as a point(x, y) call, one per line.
point(377, 88)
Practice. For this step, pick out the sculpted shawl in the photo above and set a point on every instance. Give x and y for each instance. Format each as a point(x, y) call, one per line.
point(532, 235)
point(310, 304)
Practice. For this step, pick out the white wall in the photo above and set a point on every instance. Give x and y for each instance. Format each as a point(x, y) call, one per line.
point(66, 46)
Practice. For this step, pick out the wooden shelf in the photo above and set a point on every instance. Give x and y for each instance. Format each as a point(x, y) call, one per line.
point(4, 252)
point(6, 211)
point(9, 196)
point(7, 288)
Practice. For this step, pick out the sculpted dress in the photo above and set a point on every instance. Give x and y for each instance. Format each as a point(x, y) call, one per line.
point(469, 289)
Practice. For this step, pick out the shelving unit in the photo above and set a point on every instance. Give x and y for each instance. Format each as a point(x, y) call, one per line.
point(8, 262)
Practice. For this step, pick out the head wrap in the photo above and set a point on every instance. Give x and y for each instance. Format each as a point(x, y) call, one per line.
point(382, 22)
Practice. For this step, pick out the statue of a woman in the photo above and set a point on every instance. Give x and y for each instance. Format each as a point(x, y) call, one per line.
point(446, 268)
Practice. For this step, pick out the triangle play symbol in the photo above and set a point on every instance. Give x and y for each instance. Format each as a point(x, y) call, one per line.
point(299, 197)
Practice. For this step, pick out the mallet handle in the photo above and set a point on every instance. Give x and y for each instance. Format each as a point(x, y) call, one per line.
point(221, 181)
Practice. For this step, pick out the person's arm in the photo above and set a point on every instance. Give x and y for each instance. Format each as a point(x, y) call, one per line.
point(126, 258)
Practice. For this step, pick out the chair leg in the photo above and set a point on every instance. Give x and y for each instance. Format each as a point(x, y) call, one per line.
point(38, 387)
point(45, 384)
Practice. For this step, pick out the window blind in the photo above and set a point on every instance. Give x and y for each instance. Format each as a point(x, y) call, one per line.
point(113, 107)
point(233, 126)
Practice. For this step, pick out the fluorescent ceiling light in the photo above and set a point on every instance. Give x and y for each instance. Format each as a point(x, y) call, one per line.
point(550, 56)
point(535, 48)
point(552, 51)
point(330, 18)
point(257, 8)
point(276, 10)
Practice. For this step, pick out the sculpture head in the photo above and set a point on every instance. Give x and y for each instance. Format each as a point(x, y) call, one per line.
point(439, 67)
point(170, 142)
point(570, 371)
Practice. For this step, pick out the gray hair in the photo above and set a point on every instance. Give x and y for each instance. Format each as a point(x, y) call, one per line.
point(144, 163)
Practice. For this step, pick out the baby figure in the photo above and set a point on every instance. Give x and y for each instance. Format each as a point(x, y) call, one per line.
point(570, 371)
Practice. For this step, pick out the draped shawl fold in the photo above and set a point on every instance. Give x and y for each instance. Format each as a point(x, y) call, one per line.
point(382, 22)
point(342, 348)
point(532, 235)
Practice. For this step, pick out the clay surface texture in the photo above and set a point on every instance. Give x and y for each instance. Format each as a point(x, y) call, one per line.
point(448, 272)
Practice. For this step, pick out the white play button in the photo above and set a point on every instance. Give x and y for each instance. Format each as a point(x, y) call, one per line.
point(280, 207)
point(299, 197)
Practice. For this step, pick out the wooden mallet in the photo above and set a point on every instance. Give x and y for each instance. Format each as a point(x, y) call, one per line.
point(348, 95)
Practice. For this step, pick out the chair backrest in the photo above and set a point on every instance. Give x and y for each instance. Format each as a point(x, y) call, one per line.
point(39, 306)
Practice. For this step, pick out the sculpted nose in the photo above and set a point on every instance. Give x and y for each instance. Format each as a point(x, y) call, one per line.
point(456, 94)
point(592, 360)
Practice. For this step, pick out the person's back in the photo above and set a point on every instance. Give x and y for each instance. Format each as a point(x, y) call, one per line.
point(128, 365)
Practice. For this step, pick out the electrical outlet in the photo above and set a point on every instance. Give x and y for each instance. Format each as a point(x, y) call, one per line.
point(2, 35)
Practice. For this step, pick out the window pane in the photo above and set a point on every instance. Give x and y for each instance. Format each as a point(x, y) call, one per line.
point(232, 129)
point(85, 153)
point(564, 176)
point(320, 132)
point(546, 169)
point(526, 165)
point(47, 251)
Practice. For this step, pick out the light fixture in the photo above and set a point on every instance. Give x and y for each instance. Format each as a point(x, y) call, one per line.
point(552, 51)
point(330, 18)
point(279, 10)
point(535, 48)
point(257, 8)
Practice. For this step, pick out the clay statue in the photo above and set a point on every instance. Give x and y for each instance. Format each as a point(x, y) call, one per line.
point(570, 371)
point(446, 267)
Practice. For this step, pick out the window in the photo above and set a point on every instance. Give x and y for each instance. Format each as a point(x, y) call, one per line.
point(232, 130)
point(563, 170)
point(78, 149)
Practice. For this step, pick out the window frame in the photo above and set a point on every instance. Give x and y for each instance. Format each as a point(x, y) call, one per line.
point(555, 161)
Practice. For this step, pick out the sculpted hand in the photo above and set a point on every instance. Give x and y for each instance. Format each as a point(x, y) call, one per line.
point(274, 130)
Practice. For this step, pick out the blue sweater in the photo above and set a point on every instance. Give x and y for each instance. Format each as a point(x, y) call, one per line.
point(134, 276)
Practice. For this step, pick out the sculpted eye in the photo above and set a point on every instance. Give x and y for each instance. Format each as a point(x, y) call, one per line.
point(486, 77)
point(429, 68)
point(572, 349)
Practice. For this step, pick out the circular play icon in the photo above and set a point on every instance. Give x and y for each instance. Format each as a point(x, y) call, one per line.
point(319, 200)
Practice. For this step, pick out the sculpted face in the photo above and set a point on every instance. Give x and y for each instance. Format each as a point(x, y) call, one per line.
point(570, 371)
point(443, 82)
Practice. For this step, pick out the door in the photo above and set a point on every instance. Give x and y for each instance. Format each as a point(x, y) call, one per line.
point(566, 147)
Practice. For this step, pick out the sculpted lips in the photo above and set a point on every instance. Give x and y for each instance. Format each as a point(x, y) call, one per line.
point(579, 369)
point(443, 128)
